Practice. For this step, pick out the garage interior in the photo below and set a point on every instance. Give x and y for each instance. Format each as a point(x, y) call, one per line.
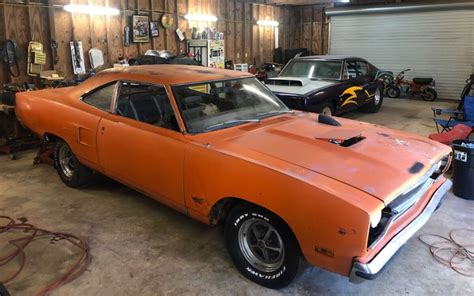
point(138, 245)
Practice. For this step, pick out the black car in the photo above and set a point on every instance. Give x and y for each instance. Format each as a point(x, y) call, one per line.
point(331, 85)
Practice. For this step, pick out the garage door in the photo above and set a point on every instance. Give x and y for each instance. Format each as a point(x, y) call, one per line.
point(437, 44)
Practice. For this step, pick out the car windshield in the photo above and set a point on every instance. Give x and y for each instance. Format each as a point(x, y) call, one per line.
point(321, 70)
point(220, 104)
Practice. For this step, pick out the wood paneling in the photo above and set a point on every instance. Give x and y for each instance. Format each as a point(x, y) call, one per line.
point(245, 41)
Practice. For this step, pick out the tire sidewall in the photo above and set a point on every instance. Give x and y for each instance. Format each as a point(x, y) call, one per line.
point(289, 268)
point(434, 95)
point(376, 107)
point(395, 89)
point(74, 180)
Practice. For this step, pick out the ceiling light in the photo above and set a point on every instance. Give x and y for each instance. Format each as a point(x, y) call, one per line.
point(93, 10)
point(199, 17)
point(268, 23)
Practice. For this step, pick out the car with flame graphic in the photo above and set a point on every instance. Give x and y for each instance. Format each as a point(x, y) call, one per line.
point(331, 85)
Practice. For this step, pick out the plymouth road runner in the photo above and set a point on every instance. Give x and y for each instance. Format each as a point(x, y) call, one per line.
point(218, 146)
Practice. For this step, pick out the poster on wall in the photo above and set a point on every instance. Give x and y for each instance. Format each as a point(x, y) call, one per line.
point(141, 28)
point(154, 32)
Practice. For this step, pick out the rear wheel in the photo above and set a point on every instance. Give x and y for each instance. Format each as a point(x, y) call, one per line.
point(262, 246)
point(429, 95)
point(393, 92)
point(69, 169)
point(375, 103)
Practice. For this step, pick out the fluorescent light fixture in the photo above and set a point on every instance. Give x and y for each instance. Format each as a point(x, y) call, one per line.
point(199, 17)
point(93, 10)
point(268, 23)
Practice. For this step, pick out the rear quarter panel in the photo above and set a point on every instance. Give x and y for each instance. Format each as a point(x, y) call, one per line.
point(60, 112)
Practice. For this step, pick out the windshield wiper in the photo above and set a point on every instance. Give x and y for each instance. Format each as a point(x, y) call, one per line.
point(230, 122)
point(274, 112)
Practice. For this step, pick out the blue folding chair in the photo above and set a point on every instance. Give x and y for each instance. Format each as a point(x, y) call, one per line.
point(463, 114)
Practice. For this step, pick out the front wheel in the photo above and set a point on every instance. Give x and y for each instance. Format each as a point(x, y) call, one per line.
point(326, 109)
point(429, 95)
point(393, 92)
point(70, 170)
point(262, 246)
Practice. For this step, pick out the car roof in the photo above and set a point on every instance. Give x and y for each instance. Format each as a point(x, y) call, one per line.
point(173, 73)
point(328, 57)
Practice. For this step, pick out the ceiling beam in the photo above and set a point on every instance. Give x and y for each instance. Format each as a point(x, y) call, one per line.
point(302, 2)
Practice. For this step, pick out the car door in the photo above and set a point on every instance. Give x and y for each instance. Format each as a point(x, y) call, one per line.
point(141, 145)
point(357, 72)
point(349, 88)
point(365, 80)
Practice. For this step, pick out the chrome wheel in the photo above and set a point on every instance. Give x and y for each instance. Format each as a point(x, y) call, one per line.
point(326, 111)
point(377, 97)
point(66, 161)
point(261, 245)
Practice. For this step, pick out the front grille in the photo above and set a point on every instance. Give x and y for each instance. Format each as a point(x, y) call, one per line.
point(293, 102)
point(404, 201)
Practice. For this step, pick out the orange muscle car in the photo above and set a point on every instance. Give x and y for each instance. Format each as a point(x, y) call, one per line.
point(218, 146)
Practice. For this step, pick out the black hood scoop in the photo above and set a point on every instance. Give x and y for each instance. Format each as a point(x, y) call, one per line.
point(329, 120)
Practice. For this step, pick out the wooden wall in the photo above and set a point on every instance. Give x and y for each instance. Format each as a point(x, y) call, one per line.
point(245, 41)
point(305, 27)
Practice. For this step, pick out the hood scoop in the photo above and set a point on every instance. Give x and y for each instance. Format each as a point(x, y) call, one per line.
point(329, 120)
point(348, 142)
point(284, 82)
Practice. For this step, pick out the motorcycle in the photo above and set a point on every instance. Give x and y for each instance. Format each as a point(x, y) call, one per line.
point(423, 87)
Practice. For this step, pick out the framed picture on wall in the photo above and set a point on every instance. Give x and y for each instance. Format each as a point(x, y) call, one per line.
point(141, 28)
point(154, 32)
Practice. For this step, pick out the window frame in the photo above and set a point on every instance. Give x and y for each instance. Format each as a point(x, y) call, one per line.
point(117, 94)
point(93, 91)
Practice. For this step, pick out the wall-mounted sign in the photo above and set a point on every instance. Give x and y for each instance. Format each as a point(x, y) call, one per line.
point(141, 28)
point(167, 20)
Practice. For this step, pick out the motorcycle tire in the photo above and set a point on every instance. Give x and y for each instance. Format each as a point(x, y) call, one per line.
point(393, 92)
point(429, 95)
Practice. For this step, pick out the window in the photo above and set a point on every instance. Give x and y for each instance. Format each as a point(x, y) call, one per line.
point(101, 97)
point(146, 103)
point(220, 104)
point(355, 69)
point(363, 68)
point(314, 69)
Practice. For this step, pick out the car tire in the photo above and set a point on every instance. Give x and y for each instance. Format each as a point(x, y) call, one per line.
point(262, 246)
point(374, 105)
point(70, 170)
point(430, 95)
point(326, 109)
point(393, 92)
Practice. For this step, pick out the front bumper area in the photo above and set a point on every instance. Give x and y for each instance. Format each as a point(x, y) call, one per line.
point(363, 271)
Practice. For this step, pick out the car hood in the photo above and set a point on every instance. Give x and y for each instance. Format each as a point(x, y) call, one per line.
point(296, 85)
point(383, 164)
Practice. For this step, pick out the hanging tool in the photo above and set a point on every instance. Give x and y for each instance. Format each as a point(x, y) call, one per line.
point(10, 57)
point(54, 52)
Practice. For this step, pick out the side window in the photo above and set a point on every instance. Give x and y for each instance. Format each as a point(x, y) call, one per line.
point(355, 69)
point(351, 70)
point(363, 68)
point(146, 103)
point(101, 97)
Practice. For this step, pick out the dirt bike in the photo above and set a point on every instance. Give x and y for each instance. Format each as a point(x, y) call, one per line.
point(423, 87)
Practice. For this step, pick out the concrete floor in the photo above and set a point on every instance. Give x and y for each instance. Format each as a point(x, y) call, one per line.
point(141, 247)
